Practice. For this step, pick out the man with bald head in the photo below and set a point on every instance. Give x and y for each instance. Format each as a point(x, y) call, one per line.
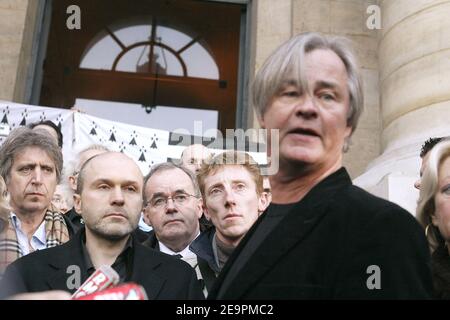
point(73, 172)
point(194, 156)
point(109, 198)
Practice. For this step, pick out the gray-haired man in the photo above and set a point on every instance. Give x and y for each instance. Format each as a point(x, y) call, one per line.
point(31, 164)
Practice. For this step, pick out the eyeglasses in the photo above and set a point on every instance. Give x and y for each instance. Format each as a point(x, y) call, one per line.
point(178, 199)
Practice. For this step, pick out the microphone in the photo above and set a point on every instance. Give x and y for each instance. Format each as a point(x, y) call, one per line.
point(126, 291)
point(103, 278)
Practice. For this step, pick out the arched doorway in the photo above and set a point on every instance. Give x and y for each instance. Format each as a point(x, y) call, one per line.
point(179, 53)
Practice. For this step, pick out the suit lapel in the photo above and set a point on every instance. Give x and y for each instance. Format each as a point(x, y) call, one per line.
point(297, 224)
point(69, 255)
point(291, 230)
point(143, 266)
point(231, 260)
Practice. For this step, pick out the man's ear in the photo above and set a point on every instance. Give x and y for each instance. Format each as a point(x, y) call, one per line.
point(200, 208)
point(206, 212)
point(261, 121)
point(146, 215)
point(77, 203)
point(73, 182)
point(348, 131)
point(264, 201)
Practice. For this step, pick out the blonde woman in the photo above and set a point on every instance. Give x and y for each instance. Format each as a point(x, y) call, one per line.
point(433, 213)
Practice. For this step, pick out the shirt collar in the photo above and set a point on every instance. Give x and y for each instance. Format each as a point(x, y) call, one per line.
point(185, 253)
point(15, 220)
point(39, 234)
point(87, 258)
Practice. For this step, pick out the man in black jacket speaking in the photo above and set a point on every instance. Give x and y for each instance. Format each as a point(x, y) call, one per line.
point(321, 237)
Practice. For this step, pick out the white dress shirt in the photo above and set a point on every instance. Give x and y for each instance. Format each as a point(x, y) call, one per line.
point(38, 240)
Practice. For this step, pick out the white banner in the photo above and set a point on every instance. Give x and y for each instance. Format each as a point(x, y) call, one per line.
point(145, 145)
point(14, 115)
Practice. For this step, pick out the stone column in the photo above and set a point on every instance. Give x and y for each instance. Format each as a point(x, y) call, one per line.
point(271, 26)
point(414, 65)
point(348, 18)
point(12, 22)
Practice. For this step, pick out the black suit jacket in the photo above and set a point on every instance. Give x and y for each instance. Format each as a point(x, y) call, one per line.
point(162, 276)
point(74, 219)
point(324, 247)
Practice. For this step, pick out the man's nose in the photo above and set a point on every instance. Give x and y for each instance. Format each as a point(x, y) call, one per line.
point(64, 208)
point(417, 184)
point(117, 196)
point(37, 176)
point(306, 107)
point(229, 198)
point(170, 206)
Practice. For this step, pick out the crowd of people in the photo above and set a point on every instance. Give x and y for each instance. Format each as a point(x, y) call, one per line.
point(218, 228)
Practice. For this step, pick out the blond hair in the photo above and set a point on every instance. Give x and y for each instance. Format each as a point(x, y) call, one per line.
point(227, 158)
point(428, 189)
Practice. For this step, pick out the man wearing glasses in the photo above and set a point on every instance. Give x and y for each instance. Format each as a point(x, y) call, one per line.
point(173, 207)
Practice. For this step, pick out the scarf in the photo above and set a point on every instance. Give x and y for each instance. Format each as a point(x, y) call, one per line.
point(56, 233)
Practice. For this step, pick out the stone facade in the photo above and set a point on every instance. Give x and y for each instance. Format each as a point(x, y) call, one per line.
point(414, 60)
point(12, 25)
point(405, 67)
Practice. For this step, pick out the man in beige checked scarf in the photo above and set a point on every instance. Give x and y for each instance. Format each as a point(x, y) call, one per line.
point(31, 165)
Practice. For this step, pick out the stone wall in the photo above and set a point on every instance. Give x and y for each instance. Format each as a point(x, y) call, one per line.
point(414, 58)
point(405, 68)
point(414, 71)
point(12, 24)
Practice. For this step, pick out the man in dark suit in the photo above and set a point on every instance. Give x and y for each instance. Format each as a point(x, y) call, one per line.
point(322, 237)
point(173, 206)
point(110, 201)
point(233, 198)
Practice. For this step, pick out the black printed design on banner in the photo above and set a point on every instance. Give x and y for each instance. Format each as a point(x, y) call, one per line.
point(133, 138)
point(142, 157)
point(24, 118)
point(122, 147)
point(93, 131)
point(112, 137)
point(154, 139)
point(5, 115)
